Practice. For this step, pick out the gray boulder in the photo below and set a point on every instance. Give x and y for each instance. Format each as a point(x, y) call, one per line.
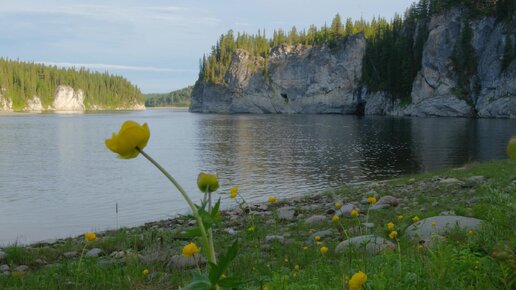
point(21, 268)
point(345, 210)
point(387, 199)
point(95, 252)
point(322, 234)
point(4, 268)
point(371, 244)
point(286, 213)
point(424, 229)
point(180, 262)
point(316, 220)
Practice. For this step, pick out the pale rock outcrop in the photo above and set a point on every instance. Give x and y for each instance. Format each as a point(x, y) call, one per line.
point(6, 104)
point(299, 79)
point(68, 100)
point(34, 105)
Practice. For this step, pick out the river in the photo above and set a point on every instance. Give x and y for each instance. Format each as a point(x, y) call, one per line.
point(57, 178)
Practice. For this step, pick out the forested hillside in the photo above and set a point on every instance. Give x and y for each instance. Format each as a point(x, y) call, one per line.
point(394, 48)
point(21, 81)
point(178, 98)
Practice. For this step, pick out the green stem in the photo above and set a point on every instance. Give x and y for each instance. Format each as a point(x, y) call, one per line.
point(210, 252)
point(79, 266)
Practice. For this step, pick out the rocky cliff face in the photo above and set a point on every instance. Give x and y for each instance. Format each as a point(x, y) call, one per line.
point(299, 79)
point(66, 100)
point(304, 79)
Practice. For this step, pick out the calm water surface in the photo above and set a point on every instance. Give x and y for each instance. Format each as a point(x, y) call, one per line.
point(57, 178)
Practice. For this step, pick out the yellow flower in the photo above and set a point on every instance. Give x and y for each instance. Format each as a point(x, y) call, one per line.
point(434, 224)
point(250, 229)
point(335, 218)
point(470, 233)
point(318, 243)
point(272, 199)
point(90, 236)
point(354, 213)
point(131, 136)
point(305, 248)
point(207, 182)
point(415, 219)
point(357, 281)
point(296, 267)
point(338, 205)
point(400, 217)
point(324, 250)
point(145, 272)
point(317, 238)
point(233, 192)
point(393, 234)
point(371, 200)
point(286, 260)
point(390, 225)
point(265, 288)
point(190, 249)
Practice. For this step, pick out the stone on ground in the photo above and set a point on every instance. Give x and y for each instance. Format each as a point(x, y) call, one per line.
point(179, 262)
point(316, 220)
point(440, 225)
point(371, 244)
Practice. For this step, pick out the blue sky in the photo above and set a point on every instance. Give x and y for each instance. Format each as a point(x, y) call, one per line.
point(155, 44)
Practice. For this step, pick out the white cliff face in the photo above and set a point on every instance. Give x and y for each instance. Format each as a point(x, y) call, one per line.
point(34, 105)
point(68, 100)
point(6, 104)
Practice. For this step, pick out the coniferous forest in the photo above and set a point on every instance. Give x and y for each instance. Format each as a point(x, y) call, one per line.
point(394, 48)
point(21, 81)
point(178, 98)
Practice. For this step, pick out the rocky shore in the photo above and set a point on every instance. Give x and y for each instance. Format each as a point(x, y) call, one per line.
point(426, 209)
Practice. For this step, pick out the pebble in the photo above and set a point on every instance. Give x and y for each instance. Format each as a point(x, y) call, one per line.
point(4, 268)
point(192, 222)
point(286, 213)
point(316, 220)
point(21, 268)
point(275, 238)
point(70, 254)
point(95, 252)
point(388, 199)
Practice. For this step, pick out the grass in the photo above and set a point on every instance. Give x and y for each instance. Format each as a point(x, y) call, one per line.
point(483, 259)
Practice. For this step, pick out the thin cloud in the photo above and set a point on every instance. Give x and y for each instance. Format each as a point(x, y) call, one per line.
point(103, 66)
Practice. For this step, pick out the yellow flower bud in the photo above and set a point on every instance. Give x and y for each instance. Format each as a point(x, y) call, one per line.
point(130, 137)
point(415, 219)
point(233, 192)
point(272, 199)
point(357, 281)
point(317, 238)
point(296, 267)
point(354, 213)
point(434, 224)
point(250, 229)
point(324, 250)
point(335, 218)
point(190, 249)
point(305, 248)
point(390, 225)
point(145, 272)
point(90, 236)
point(338, 205)
point(207, 182)
point(393, 234)
point(400, 217)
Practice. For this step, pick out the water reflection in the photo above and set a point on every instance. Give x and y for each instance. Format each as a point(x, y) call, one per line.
point(58, 179)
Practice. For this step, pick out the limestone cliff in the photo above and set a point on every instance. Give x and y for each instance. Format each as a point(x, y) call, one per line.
point(296, 79)
point(306, 79)
point(66, 100)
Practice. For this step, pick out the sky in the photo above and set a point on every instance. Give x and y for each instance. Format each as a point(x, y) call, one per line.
point(156, 44)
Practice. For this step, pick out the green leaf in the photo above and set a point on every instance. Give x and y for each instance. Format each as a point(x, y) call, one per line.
point(199, 282)
point(230, 282)
point(215, 209)
point(216, 271)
